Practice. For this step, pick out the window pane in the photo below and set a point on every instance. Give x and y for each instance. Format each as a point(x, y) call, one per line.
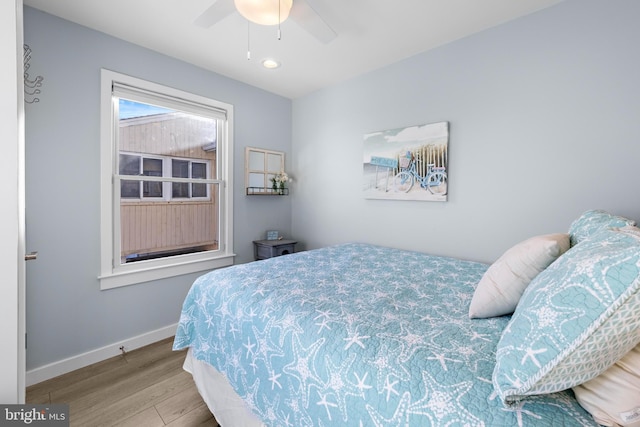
point(129, 165)
point(152, 167)
point(130, 189)
point(198, 170)
point(161, 142)
point(151, 189)
point(198, 190)
point(194, 228)
point(180, 190)
point(180, 168)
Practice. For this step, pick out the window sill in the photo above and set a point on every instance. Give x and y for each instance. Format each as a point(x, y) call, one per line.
point(146, 274)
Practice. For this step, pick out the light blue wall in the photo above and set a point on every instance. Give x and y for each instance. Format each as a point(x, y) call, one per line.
point(544, 124)
point(67, 314)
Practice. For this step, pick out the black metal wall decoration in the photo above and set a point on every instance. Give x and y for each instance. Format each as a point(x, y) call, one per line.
point(31, 86)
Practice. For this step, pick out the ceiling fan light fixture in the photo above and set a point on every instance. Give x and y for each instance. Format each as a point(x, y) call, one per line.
point(264, 12)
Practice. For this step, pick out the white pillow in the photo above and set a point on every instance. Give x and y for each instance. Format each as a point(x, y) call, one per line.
point(613, 397)
point(504, 282)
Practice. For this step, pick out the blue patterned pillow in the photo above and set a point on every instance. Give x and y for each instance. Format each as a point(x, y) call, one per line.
point(575, 319)
point(592, 221)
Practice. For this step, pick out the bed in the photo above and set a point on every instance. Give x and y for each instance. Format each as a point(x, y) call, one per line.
point(361, 335)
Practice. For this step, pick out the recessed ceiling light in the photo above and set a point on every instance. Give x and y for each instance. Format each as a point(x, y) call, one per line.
point(270, 63)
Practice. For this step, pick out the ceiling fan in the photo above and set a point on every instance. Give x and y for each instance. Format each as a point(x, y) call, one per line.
point(304, 12)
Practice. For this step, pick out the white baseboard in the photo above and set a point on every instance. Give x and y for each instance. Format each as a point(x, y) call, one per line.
point(64, 366)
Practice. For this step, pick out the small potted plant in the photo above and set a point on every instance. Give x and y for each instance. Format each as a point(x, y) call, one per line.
point(278, 182)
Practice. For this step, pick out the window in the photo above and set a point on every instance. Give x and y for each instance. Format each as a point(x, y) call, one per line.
point(142, 165)
point(166, 168)
point(188, 169)
point(133, 164)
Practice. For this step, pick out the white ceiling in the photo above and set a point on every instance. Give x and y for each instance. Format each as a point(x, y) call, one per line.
point(371, 34)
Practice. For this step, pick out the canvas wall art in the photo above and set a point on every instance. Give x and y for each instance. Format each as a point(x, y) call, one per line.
point(407, 163)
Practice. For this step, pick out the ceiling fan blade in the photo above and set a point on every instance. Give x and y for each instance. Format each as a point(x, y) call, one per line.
point(219, 10)
point(307, 16)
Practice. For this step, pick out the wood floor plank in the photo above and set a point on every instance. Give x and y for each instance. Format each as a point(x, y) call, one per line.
point(152, 351)
point(179, 404)
point(146, 387)
point(133, 403)
point(147, 418)
point(78, 383)
point(199, 417)
point(105, 389)
point(39, 398)
point(78, 375)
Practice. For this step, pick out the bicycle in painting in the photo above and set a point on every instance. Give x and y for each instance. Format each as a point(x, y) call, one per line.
point(435, 179)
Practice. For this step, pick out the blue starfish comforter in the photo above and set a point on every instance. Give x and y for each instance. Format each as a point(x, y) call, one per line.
point(358, 335)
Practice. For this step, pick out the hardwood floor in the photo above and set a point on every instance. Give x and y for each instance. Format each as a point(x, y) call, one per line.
point(146, 387)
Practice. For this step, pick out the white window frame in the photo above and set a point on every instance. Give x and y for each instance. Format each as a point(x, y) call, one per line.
point(114, 274)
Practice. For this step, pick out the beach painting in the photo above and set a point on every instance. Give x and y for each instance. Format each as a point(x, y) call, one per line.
point(409, 163)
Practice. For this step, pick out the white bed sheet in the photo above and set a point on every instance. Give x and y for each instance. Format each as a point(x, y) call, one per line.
point(223, 402)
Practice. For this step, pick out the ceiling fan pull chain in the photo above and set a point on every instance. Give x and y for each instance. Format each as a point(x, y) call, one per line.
point(248, 41)
point(279, 20)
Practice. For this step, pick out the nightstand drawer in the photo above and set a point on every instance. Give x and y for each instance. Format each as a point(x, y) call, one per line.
point(263, 249)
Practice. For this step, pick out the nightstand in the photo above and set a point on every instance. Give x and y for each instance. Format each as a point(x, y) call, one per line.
point(263, 249)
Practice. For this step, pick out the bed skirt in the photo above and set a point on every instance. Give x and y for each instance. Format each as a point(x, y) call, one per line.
point(223, 402)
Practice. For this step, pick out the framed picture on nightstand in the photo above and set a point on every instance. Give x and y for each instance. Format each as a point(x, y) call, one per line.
point(272, 235)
